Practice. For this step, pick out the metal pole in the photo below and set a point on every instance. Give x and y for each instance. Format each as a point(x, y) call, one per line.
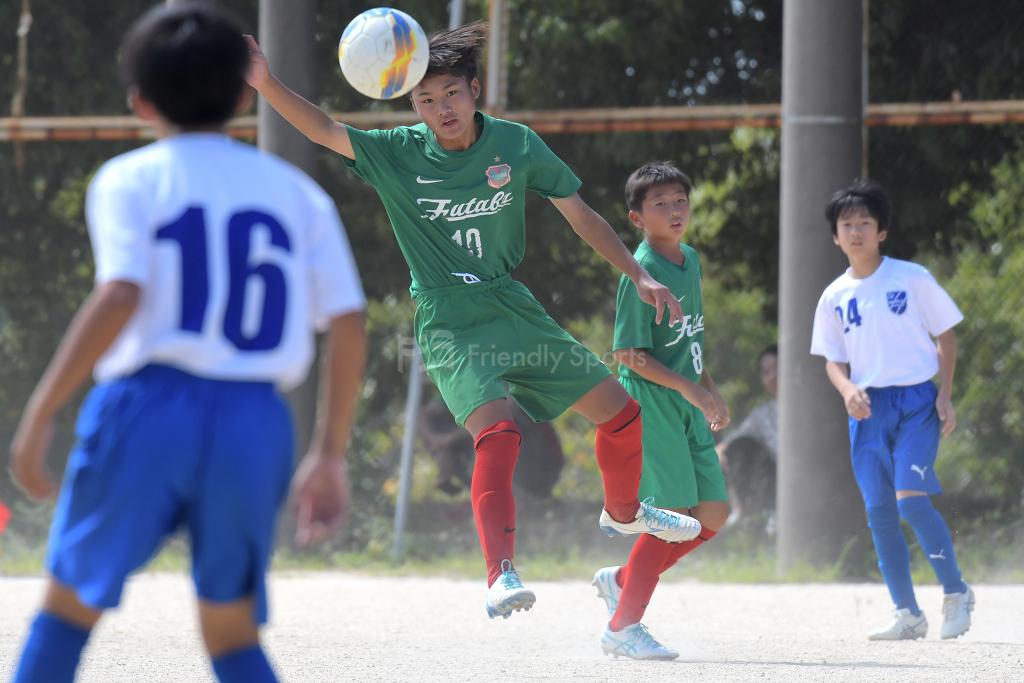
point(286, 31)
point(456, 11)
point(822, 133)
point(412, 410)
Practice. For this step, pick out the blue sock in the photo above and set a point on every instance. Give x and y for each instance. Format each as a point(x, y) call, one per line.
point(893, 556)
point(244, 666)
point(933, 535)
point(51, 652)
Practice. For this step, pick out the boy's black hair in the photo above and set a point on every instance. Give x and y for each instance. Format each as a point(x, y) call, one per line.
point(457, 52)
point(770, 350)
point(189, 60)
point(650, 175)
point(863, 196)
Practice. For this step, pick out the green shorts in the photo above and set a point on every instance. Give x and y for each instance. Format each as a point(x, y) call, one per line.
point(681, 466)
point(479, 338)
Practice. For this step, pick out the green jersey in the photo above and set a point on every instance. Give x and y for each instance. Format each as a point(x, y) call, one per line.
point(679, 346)
point(459, 216)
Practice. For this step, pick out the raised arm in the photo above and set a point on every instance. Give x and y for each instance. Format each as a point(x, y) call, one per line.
point(596, 232)
point(309, 119)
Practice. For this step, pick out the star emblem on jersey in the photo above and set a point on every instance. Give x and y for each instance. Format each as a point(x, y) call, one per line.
point(897, 301)
point(498, 176)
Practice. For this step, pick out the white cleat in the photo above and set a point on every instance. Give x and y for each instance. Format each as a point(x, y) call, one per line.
point(664, 524)
point(608, 589)
point(956, 613)
point(507, 594)
point(905, 626)
point(635, 642)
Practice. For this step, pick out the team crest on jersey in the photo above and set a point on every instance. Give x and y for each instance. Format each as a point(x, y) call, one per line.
point(499, 176)
point(897, 301)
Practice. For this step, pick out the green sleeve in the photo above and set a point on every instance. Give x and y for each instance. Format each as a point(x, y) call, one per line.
point(634, 319)
point(374, 151)
point(548, 175)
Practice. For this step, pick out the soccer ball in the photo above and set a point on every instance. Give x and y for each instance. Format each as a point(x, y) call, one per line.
point(383, 53)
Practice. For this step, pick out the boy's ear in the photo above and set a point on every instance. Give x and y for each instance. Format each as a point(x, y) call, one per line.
point(474, 87)
point(245, 101)
point(636, 219)
point(882, 234)
point(142, 107)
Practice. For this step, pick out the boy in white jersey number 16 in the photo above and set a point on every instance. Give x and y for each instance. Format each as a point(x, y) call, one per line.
point(454, 189)
point(875, 327)
point(215, 263)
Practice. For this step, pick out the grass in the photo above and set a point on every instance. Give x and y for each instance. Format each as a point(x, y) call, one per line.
point(558, 541)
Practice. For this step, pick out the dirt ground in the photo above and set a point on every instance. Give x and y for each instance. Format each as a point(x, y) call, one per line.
point(337, 626)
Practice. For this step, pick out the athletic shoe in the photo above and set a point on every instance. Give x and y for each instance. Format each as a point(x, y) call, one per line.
point(635, 642)
point(905, 626)
point(664, 524)
point(956, 613)
point(608, 589)
point(507, 594)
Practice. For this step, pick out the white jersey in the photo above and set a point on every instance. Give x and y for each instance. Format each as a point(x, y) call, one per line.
point(239, 257)
point(883, 325)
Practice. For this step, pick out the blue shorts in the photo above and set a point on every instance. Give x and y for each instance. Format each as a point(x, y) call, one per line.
point(163, 449)
point(895, 448)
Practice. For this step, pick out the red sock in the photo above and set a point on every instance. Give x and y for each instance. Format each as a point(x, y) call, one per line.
point(620, 459)
point(639, 578)
point(494, 508)
point(681, 549)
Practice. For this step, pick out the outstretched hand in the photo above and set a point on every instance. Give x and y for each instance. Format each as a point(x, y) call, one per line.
point(259, 69)
point(321, 497)
point(658, 295)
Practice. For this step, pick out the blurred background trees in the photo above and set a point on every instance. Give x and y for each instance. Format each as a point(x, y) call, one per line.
point(957, 192)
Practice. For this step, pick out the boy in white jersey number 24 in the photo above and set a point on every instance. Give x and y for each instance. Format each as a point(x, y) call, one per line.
point(215, 265)
point(875, 326)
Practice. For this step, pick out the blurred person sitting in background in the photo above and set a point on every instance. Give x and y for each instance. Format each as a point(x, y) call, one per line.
point(749, 453)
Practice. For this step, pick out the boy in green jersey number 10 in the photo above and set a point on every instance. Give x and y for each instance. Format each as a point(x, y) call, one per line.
point(453, 187)
point(661, 365)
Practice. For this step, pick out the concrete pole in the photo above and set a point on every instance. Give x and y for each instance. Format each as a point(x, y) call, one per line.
point(819, 508)
point(286, 30)
point(496, 88)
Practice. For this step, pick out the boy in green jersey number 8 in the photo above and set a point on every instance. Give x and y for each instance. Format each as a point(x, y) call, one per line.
point(662, 367)
point(453, 187)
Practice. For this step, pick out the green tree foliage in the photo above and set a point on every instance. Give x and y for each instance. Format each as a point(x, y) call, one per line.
point(982, 460)
point(950, 207)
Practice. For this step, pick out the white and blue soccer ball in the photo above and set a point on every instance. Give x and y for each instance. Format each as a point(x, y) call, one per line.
point(383, 53)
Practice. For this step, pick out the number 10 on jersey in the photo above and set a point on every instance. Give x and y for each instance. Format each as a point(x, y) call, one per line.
point(472, 243)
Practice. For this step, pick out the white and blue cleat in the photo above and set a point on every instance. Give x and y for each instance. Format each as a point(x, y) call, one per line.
point(608, 589)
point(507, 594)
point(635, 642)
point(667, 525)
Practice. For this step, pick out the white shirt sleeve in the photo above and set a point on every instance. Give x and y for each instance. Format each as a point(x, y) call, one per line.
point(938, 310)
point(336, 288)
point(118, 227)
point(827, 335)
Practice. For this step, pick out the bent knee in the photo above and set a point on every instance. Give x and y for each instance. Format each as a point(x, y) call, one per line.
point(227, 626)
point(712, 514)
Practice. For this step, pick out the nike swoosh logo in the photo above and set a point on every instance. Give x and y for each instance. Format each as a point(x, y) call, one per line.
point(424, 181)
